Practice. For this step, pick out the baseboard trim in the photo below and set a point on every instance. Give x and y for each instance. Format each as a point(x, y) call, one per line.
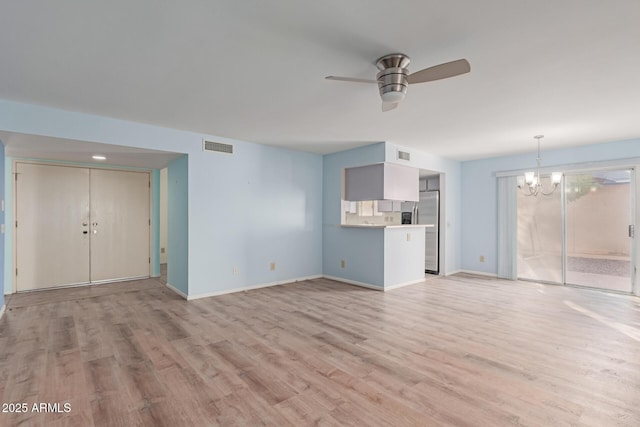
point(177, 291)
point(354, 282)
point(479, 273)
point(284, 282)
point(451, 273)
point(119, 279)
point(402, 285)
point(249, 288)
point(2, 310)
point(374, 287)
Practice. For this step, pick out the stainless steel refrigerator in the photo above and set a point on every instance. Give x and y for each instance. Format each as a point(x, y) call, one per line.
point(429, 215)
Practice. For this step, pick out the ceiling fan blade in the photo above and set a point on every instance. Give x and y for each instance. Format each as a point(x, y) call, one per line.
point(442, 71)
point(388, 106)
point(350, 79)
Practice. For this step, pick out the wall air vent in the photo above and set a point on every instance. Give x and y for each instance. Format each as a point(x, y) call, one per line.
point(217, 146)
point(403, 155)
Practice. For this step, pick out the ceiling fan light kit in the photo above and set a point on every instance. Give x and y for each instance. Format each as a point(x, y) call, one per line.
point(394, 78)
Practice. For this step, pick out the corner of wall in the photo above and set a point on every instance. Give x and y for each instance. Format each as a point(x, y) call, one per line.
point(178, 224)
point(2, 221)
point(155, 221)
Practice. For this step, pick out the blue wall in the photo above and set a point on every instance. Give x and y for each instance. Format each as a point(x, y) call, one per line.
point(7, 247)
point(265, 208)
point(264, 204)
point(246, 210)
point(155, 231)
point(361, 249)
point(479, 193)
point(178, 224)
point(2, 267)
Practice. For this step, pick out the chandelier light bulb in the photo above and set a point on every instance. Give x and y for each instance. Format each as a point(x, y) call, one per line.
point(529, 177)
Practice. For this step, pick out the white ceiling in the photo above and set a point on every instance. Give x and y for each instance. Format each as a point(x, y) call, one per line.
point(254, 70)
point(68, 150)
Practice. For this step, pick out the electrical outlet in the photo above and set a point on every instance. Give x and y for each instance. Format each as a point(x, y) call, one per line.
point(408, 237)
point(342, 264)
point(235, 270)
point(481, 258)
point(273, 266)
point(162, 250)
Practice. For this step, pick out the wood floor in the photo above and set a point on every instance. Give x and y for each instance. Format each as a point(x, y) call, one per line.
point(463, 351)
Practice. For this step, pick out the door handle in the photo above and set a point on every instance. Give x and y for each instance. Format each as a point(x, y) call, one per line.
point(85, 232)
point(632, 231)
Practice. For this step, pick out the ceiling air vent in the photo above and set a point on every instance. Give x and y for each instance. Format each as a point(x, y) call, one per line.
point(403, 155)
point(217, 146)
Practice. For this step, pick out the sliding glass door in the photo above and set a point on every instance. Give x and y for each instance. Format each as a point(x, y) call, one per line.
point(598, 216)
point(580, 234)
point(540, 236)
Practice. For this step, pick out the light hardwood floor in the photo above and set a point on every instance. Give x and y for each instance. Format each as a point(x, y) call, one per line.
point(463, 350)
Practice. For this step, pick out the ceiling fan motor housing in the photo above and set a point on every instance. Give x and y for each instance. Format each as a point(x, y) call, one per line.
point(392, 78)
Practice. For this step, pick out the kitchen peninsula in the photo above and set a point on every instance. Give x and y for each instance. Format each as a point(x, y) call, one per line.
point(394, 254)
point(382, 253)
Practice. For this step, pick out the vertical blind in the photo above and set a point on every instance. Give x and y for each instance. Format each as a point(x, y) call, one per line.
point(507, 227)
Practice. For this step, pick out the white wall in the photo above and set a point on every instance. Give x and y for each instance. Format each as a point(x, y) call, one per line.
point(403, 255)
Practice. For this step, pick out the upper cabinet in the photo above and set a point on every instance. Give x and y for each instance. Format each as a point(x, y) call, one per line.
point(382, 181)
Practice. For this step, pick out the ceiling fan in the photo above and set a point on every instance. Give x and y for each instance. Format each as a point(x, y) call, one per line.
point(394, 76)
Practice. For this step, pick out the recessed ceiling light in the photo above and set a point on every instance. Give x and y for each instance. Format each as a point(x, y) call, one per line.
point(98, 157)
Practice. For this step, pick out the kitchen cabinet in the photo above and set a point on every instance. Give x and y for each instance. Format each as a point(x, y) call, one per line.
point(389, 205)
point(382, 181)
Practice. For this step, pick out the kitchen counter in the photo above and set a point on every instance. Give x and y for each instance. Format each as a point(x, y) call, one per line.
point(383, 257)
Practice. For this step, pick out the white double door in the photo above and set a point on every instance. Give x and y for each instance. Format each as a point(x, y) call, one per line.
point(79, 225)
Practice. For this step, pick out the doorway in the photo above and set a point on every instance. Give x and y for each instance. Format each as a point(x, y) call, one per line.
point(77, 225)
point(580, 234)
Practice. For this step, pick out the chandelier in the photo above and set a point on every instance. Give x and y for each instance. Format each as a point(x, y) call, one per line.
point(531, 183)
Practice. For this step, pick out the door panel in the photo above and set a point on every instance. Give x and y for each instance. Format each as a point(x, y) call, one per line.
point(597, 223)
point(581, 238)
point(540, 236)
point(52, 204)
point(119, 225)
